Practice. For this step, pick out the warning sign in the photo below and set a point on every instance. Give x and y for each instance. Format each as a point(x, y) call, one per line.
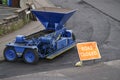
point(88, 51)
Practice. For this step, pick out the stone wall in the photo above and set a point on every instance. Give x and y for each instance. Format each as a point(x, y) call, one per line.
point(14, 22)
point(36, 3)
point(20, 18)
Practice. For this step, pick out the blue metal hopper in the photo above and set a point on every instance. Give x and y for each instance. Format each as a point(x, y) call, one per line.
point(53, 18)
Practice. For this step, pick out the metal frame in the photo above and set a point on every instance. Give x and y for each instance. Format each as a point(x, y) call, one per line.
point(49, 46)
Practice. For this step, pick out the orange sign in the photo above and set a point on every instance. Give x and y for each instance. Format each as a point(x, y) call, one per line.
point(88, 51)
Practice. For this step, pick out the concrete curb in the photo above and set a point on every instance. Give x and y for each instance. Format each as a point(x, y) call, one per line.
point(102, 11)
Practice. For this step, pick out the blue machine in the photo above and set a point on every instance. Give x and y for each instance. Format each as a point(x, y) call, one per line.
point(48, 43)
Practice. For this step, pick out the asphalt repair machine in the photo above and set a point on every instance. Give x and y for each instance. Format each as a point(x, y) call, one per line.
point(54, 40)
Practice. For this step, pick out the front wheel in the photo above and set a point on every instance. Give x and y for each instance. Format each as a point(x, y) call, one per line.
point(10, 54)
point(31, 56)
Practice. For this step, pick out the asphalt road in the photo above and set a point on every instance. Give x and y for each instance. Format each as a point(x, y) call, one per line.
point(88, 24)
point(103, 71)
point(66, 60)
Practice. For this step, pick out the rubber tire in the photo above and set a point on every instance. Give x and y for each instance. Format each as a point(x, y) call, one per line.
point(11, 48)
point(35, 54)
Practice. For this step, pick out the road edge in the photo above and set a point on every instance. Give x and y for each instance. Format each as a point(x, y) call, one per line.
point(101, 11)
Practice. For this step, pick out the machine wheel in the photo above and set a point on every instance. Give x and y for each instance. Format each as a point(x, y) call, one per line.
point(73, 36)
point(31, 56)
point(10, 54)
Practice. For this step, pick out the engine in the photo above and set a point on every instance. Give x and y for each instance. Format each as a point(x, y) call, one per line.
point(49, 43)
point(54, 41)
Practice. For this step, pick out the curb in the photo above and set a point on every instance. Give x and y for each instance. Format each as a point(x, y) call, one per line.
point(101, 11)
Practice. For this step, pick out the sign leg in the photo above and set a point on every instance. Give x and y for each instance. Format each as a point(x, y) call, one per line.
point(79, 64)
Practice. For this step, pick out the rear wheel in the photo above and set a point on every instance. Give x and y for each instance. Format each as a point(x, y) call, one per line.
point(31, 56)
point(10, 54)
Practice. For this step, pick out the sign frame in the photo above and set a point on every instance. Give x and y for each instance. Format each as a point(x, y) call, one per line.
point(88, 51)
